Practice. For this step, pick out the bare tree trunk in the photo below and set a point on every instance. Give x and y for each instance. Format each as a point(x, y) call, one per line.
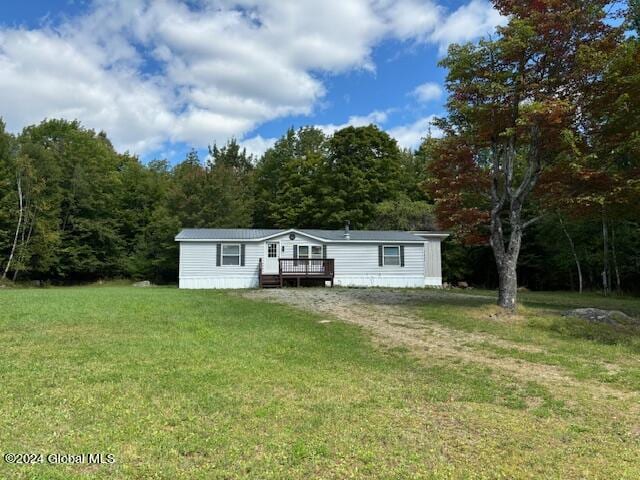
point(508, 287)
point(573, 252)
point(615, 259)
point(606, 283)
point(18, 227)
point(25, 243)
point(507, 257)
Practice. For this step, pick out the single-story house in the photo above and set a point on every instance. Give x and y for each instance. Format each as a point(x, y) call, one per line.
point(249, 258)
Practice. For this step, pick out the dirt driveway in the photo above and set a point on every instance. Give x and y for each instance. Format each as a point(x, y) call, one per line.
point(393, 319)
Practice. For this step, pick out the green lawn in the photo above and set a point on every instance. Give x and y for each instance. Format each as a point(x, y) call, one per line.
point(586, 350)
point(200, 384)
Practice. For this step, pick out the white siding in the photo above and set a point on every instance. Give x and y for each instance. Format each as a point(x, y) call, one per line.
point(288, 243)
point(356, 264)
point(198, 267)
point(433, 266)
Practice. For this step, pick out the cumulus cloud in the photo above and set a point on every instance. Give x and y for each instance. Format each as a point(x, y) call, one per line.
point(411, 135)
point(427, 92)
point(376, 117)
point(469, 22)
point(150, 72)
point(407, 135)
point(257, 145)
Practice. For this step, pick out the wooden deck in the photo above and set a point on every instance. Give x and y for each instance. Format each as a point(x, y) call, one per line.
point(297, 270)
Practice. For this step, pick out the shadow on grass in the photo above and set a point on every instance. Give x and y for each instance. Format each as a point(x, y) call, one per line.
point(539, 312)
point(567, 327)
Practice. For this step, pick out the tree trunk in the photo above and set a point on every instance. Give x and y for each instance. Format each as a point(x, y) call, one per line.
point(606, 283)
point(573, 252)
point(507, 260)
point(18, 227)
point(508, 286)
point(615, 260)
point(25, 241)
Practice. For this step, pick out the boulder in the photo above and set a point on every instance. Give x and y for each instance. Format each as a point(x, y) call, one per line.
point(463, 285)
point(143, 284)
point(609, 317)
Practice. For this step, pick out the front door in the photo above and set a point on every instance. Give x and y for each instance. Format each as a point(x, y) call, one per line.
point(271, 257)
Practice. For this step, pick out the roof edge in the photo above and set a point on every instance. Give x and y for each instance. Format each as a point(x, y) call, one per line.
point(430, 234)
point(421, 235)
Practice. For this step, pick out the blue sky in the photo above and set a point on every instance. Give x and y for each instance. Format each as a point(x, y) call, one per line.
point(161, 77)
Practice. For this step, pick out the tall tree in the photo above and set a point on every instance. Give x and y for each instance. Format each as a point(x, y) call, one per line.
point(289, 178)
point(228, 193)
point(10, 197)
point(514, 102)
point(363, 169)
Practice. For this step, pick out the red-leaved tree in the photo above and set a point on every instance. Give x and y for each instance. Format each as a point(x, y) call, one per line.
point(514, 107)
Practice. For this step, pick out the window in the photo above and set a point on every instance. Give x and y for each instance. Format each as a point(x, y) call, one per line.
point(272, 250)
point(230, 254)
point(391, 255)
point(303, 251)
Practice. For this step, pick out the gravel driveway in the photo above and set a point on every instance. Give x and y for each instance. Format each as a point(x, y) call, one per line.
point(394, 318)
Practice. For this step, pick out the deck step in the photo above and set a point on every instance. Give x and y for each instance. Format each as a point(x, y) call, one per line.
point(270, 281)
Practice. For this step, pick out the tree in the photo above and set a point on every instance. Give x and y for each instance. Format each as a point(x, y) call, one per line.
point(513, 104)
point(228, 192)
point(289, 185)
point(402, 213)
point(362, 170)
point(597, 181)
point(9, 198)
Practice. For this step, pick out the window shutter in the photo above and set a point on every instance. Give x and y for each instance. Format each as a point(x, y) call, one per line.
point(402, 255)
point(379, 255)
point(242, 255)
point(218, 254)
point(295, 251)
point(324, 251)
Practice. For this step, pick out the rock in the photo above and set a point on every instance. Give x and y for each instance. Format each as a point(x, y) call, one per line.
point(523, 289)
point(609, 317)
point(446, 285)
point(463, 285)
point(143, 284)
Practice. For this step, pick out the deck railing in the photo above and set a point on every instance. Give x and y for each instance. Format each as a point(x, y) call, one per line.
point(311, 267)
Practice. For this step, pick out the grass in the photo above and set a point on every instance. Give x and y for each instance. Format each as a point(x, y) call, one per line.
point(587, 350)
point(199, 384)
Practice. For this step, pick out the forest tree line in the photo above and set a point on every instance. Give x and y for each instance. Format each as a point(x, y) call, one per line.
point(538, 166)
point(73, 209)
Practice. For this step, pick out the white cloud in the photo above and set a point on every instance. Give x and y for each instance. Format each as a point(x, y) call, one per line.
point(427, 92)
point(412, 19)
point(411, 135)
point(376, 117)
point(407, 135)
point(470, 21)
point(150, 72)
point(257, 145)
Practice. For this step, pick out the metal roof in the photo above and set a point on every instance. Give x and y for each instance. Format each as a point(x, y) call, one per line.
point(227, 233)
point(382, 235)
point(249, 234)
